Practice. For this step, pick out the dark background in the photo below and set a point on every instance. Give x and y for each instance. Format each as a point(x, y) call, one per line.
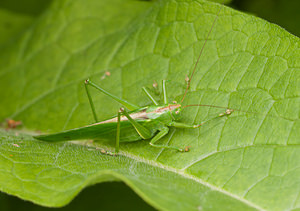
point(285, 13)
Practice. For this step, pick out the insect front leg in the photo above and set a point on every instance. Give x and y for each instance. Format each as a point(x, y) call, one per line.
point(149, 95)
point(164, 131)
point(184, 125)
point(164, 94)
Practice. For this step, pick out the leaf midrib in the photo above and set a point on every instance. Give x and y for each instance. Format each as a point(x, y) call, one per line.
point(185, 175)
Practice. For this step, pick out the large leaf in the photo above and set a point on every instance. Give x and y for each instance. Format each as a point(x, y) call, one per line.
point(16, 16)
point(248, 160)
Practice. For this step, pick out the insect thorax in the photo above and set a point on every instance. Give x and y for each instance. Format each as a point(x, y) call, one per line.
point(164, 113)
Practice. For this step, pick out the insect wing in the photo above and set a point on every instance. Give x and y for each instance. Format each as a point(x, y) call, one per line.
point(105, 131)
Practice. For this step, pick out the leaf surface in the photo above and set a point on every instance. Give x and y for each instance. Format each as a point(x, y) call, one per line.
point(248, 160)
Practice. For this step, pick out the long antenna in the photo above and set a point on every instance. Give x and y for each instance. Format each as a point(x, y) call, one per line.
point(201, 51)
point(230, 110)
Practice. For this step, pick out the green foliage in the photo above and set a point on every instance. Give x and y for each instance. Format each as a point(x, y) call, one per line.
point(249, 160)
point(16, 17)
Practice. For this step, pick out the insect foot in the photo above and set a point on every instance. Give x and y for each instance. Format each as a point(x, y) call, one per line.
point(196, 126)
point(108, 152)
point(227, 112)
point(87, 81)
point(185, 149)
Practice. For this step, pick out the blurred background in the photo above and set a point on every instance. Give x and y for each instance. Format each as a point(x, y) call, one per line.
point(17, 15)
point(281, 12)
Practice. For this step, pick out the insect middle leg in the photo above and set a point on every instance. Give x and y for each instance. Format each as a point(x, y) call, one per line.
point(164, 131)
point(146, 134)
point(164, 94)
point(142, 131)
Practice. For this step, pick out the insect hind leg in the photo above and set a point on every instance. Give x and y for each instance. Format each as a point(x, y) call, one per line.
point(90, 100)
point(125, 103)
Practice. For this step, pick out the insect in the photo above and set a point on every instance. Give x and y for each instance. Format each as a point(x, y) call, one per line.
point(136, 123)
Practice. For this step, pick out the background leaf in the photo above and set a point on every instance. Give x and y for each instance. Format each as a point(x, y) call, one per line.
point(244, 161)
point(16, 17)
point(101, 196)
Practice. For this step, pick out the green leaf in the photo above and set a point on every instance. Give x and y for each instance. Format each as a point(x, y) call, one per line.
point(248, 160)
point(16, 16)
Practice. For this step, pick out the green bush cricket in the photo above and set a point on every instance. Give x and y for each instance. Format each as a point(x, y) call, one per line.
point(138, 123)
